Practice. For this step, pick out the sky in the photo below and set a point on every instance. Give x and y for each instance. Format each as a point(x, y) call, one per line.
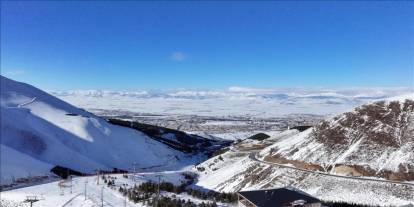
point(207, 44)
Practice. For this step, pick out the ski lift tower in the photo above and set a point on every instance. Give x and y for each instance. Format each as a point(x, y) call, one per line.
point(31, 200)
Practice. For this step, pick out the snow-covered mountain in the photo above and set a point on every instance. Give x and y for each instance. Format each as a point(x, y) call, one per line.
point(39, 132)
point(375, 139)
point(363, 156)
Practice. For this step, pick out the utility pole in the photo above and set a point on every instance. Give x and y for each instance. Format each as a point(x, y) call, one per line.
point(86, 182)
point(125, 200)
point(62, 192)
point(97, 177)
point(158, 191)
point(71, 184)
point(134, 165)
point(102, 196)
point(125, 193)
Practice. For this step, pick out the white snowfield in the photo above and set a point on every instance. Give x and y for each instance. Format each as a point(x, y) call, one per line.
point(86, 192)
point(39, 131)
point(235, 101)
point(14, 164)
point(67, 193)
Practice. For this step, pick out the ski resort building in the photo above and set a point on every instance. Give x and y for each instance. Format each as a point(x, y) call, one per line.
point(280, 197)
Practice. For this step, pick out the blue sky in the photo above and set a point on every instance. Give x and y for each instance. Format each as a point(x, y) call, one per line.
point(164, 45)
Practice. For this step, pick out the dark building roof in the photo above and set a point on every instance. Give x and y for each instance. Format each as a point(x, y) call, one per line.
point(301, 128)
point(277, 197)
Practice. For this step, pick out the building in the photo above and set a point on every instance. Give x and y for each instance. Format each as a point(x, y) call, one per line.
point(279, 197)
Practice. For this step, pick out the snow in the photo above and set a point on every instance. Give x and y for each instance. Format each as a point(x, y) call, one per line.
point(235, 101)
point(225, 123)
point(216, 177)
point(41, 129)
point(235, 171)
point(356, 150)
point(21, 165)
point(241, 173)
point(402, 97)
point(235, 135)
point(348, 151)
point(52, 195)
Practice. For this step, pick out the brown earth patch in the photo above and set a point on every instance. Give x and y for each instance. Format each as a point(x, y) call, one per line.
point(359, 170)
point(298, 164)
point(250, 147)
point(406, 173)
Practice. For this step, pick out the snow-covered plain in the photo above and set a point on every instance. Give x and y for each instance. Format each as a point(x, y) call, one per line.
point(235, 101)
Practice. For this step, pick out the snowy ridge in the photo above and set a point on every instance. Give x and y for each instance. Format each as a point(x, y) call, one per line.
point(235, 170)
point(42, 131)
point(374, 140)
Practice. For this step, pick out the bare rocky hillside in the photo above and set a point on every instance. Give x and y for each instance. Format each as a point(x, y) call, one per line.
point(375, 139)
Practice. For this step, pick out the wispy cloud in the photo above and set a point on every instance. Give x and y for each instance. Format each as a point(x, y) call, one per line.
point(177, 56)
point(16, 72)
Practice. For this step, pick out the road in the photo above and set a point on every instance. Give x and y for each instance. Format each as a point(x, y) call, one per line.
point(253, 156)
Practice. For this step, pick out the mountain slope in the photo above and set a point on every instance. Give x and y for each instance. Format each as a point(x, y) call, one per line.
point(375, 139)
point(340, 159)
point(38, 126)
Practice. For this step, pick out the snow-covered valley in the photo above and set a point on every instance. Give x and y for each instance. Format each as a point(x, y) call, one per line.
point(334, 161)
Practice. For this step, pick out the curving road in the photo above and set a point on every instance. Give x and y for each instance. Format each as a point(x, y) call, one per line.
point(253, 156)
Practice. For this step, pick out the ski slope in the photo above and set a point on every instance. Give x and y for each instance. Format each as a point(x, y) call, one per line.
point(72, 194)
point(40, 131)
point(87, 192)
